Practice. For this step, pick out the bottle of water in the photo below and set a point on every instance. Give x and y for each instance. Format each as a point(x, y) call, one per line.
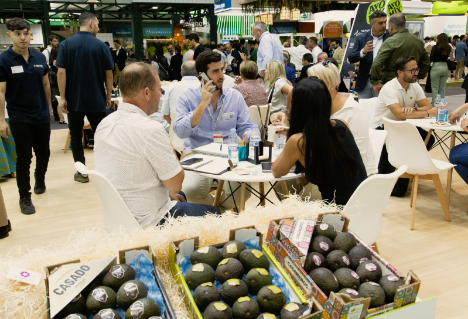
point(441, 111)
point(437, 104)
point(255, 138)
point(233, 147)
point(279, 146)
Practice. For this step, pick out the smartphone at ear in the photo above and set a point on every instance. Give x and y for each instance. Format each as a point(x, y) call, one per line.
point(207, 79)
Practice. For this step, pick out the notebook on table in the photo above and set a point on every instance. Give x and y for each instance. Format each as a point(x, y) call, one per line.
point(209, 164)
point(214, 149)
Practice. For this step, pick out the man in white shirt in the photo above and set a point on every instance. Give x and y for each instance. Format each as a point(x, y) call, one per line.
point(189, 80)
point(53, 43)
point(135, 154)
point(296, 53)
point(170, 54)
point(312, 45)
point(187, 55)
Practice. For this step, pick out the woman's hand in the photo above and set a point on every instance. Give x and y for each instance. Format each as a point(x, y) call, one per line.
point(279, 118)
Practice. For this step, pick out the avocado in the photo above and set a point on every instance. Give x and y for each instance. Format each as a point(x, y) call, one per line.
point(322, 245)
point(374, 291)
point(199, 274)
point(313, 261)
point(206, 255)
point(271, 299)
point(107, 314)
point(350, 292)
point(217, 310)
point(232, 290)
point(266, 315)
point(91, 286)
point(337, 259)
point(118, 275)
point(327, 230)
point(256, 279)
point(369, 271)
point(390, 284)
point(143, 309)
point(77, 306)
point(130, 292)
point(75, 316)
point(325, 280)
point(344, 242)
point(245, 307)
point(357, 255)
point(100, 298)
point(292, 310)
point(229, 268)
point(253, 258)
point(205, 294)
point(347, 278)
point(233, 248)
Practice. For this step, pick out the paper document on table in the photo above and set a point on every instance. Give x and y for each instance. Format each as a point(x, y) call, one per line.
point(214, 149)
point(210, 164)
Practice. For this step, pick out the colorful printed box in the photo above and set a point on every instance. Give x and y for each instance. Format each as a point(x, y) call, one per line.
point(296, 236)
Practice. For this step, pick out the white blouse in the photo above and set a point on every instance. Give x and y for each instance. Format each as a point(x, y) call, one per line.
point(279, 100)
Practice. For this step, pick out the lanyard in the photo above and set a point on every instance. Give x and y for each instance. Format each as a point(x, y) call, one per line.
point(211, 115)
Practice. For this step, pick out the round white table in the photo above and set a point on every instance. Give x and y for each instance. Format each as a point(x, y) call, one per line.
point(450, 132)
point(261, 178)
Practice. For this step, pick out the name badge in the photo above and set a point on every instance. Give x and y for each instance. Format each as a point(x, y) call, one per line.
point(218, 137)
point(17, 69)
point(228, 116)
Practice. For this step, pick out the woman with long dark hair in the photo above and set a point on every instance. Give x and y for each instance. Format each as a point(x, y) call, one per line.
point(440, 55)
point(161, 60)
point(58, 116)
point(323, 150)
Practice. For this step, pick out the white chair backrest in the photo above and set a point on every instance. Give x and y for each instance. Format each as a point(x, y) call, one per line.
point(177, 142)
point(406, 147)
point(114, 210)
point(367, 204)
point(256, 117)
point(377, 138)
point(368, 106)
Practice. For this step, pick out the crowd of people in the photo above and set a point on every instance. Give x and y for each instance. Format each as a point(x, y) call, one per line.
point(326, 130)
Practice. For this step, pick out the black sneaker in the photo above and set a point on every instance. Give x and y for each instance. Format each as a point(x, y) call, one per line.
point(82, 178)
point(91, 143)
point(39, 187)
point(4, 232)
point(9, 226)
point(27, 206)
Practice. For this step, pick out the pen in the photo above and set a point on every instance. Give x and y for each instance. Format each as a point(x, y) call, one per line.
point(221, 147)
point(243, 140)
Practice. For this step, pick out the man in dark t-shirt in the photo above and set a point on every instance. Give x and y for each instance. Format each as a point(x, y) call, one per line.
point(85, 82)
point(24, 86)
point(195, 45)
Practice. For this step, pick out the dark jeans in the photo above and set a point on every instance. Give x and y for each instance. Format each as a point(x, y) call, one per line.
point(28, 137)
point(54, 109)
point(459, 157)
point(75, 124)
point(189, 209)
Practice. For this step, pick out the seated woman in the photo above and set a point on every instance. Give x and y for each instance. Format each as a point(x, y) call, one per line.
point(322, 149)
point(459, 154)
point(253, 92)
point(344, 107)
point(279, 92)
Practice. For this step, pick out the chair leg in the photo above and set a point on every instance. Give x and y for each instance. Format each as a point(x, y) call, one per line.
point(376, 248)
point(413, 204)
point(67, 142)
point(412, 191)
point(440, 193)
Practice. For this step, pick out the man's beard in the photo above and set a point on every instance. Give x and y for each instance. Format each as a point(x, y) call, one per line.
point(409, 79)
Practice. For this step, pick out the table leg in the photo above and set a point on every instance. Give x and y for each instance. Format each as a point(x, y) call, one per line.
point(242, 198)
point(285, 188)
point(262, 193)
point(428, 136)
point(219, 191)
point(448, 192)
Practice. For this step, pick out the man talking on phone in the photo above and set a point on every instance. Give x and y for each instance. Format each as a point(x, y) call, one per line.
point(365, 50)
point(206, 115)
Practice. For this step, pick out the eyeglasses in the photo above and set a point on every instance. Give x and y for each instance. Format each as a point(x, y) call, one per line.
point(413, 71)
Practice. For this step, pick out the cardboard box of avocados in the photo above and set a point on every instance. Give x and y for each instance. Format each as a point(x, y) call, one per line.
point(333, 306)
point(66, 281)
point(179, 250)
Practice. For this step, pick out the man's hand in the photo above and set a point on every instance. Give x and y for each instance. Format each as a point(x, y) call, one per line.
point(63, 106)
point(368, 47)
point(377, 88)
point(407, 110)
point(177, 197)
point(352, 74)
point(464, 125)
point(4, 129)
point(206, 95)
point(456, 115)
point(108, 102)
point(238, 80)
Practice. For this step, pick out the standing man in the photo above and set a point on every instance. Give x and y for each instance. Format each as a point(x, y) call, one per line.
point(53, 43)
point(460, 52)
point(270, 48)
point(314, 47)
point(400, 44)
point(296, 53)
point(338, 52)
point(287, 43)
point(195, 45)
point(219, 48)
point(365, 50)
point(24, 85)
point(234, 60)
point(329, 48)
point(84, 66)
point(120, 55)
point(170, 53)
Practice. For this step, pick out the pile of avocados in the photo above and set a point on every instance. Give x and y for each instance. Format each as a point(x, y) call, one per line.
point(232, 300)
point(116, 289)
point(336, 262)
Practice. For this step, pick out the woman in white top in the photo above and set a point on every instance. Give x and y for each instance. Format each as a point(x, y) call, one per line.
point(280, 89)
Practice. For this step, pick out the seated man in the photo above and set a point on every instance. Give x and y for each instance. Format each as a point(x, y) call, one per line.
point(307, 62)
point(201, 115)
point(135, 154)
point(459, 154)
point(397, 101)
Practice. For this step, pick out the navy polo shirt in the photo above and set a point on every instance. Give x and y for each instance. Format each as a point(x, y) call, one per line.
point(25, 95)
point(86, 60)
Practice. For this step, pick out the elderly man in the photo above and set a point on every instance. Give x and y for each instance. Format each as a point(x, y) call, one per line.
point(322, 56)
point(270, 47)
point(135, 153)
point(296, 53)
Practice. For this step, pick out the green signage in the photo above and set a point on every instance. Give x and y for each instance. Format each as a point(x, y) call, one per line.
point(375, 6)
point(394, 6)
point(454, 7)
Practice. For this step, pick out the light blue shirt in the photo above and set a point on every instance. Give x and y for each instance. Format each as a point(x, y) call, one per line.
point(270, 48)
point(234, 114)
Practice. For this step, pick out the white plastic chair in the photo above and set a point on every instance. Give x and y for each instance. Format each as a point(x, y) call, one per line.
point(406, 147)
point(367, 204)
point(177, 142)
point(114, 210)
point(264, 112)
point(377, 138)
point(86, 125)
point(369, 107)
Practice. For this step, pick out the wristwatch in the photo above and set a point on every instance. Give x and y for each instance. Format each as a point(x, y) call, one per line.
point(428, 114)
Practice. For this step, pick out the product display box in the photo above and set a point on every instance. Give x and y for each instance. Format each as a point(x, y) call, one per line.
point(296, 236)
point(335, 306)
point(65, 281)
point(182, 248)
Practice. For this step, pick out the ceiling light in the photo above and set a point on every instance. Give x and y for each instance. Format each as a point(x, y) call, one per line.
point(154, 7)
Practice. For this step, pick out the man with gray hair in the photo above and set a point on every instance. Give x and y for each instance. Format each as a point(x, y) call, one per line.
point(270, 47)
point(296, 53)
point(322, 56)
point(400, 44)
point(172, 92)
point(365, 50)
